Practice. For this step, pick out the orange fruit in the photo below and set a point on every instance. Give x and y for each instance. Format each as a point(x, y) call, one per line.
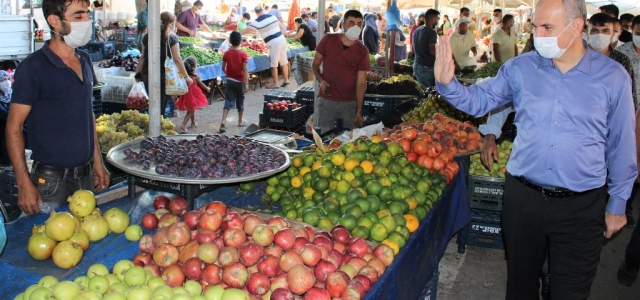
point(412, 222)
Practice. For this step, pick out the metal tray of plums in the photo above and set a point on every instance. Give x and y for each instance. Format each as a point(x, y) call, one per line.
point(203, 159)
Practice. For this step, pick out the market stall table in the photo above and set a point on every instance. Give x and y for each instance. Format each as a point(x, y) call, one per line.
point(404, 279)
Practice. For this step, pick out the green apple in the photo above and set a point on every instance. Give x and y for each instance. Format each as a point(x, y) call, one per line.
point(118, 287)
point(162, 292)
point(234, 294)
point(120, 267)
point(65, 290)
point(135, 276)
point(115, 296)
point(47, 281)
point(99, 284)
point(139, 293)
point(214, 293)
point(97, 269)
point(133, 233)
point(181, 297)
point(180, 290)
point(155, 282)
point(29, 290)
point(82, 282)
point(193, 287)
point(40, 293)
point(88, 295)
point(112, 279)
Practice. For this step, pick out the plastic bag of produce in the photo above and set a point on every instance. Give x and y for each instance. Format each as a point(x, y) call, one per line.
point(138, 98)
point(224, 47)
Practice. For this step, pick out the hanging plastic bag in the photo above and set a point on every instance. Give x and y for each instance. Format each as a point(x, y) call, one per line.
point(393, 17)
point(138, 98)
point(224, 47)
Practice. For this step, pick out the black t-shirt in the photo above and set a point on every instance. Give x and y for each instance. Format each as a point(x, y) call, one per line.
point(173, 39)
point(625, 36)
point(61, 127)
point(422, 37)
point(307, 38)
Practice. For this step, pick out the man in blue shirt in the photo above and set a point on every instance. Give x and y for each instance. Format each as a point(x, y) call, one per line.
point(52, 92)
point(575, 142)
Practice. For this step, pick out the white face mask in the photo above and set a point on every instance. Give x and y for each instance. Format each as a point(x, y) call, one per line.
point(466, 20)
point(353, 33)
point(80, 34)
point(496, 19)
point(615, 37)
point(599, 41)
point(5, 86)
point(548, 47)
point(636, 40)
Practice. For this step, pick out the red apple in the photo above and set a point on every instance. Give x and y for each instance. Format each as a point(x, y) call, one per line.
point(310, 254)
point(251, 221)
point(212, 274)
point(340, 234)
point(173, 276)
point(274, 250)
point(335, 284)
point(299, 243)
point(142, 259)
point(146, 243)
point(263, 235)
point(290, 259)
point(324, 251)
point(384, 253)
point(258, 284)
point(349, 270)
point(315, 293)
point(153, 269)
point(194, 235)
point(322, 233)
point(234, 237)
point(280, 281)
point(208, 253)
point(322, 240)
point(285, 238)
point(364, 280)
point(165, 255)
point(210, 220)
point(167, 219)
point(189, 251)
point(205, 236)
point(192, 268)
point(178, 234)
point(218, 206)
point(378, 265)
point(250, 253)
point(232, 220)
point(322, 269)
point(310, 232)
point(161, 202)
point(357, 263)
point(300, 279)
point(335, 257)
point(282, 294)
point(370, 272)
point(191, 218)
point(279, 222)
point(368, 256)
point(149, 221)
point(299, 231)
point(235, 275)
point(219, 241)
point(269, 265)
point(178, 206)
point(340, 247)
point(358, 246)
point(228, 256)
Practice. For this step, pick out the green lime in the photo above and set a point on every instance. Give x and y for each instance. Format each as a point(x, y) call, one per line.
point(378, 232)
point(353, 194)
point(348, 221)
point(364, 204)
point(371, 216)
point(400, 221)
point(291, 214)
point(360, 231)
point(397, 237)
point(365, 222)
point(325, 223)
point(374, 203)
point(354, 209)
point(388, 222)
point(311, 217)
point(374, 187)
point(331, 204)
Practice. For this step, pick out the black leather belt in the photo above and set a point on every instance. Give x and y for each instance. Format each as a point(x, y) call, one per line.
point(75, 172)
point(551, 192)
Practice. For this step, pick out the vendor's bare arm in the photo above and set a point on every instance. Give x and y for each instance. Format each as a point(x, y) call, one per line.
point(100, 173)
point(28, 195)
point(315, 66)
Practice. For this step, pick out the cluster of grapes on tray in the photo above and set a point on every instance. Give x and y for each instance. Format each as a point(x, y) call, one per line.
point(207, 156)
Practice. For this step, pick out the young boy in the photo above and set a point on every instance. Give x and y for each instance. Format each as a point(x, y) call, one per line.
point(234, 65)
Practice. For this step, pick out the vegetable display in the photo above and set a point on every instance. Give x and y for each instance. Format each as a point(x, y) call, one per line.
point(499, 168)
point(395, 85)
point(190, 40)
point(436, 104)
point(203, 56)
point(488, 70)
point(130, 63)
point(257, 45)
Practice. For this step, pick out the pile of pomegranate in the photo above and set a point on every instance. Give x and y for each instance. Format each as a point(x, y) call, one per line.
point(268, 258)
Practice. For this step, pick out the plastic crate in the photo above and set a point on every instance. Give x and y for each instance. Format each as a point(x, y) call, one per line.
point(486, 192)
point(380, 105)
point(106, 48)
point(431, 289)
point(485, 241)
point(305, 96)
point(110, 107)
point(289, 120)
point(279, 95)
point(8, 195)
point(118, 83)
point(484, 230)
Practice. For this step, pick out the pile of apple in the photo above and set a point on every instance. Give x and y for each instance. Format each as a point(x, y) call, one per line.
point(65, 236)
point(126, 282)
point(283, 105)
point(269, 259)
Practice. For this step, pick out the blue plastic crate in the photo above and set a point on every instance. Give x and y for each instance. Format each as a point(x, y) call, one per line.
point(279, 95)
point(486, 192)
point(484, 230)
point(431, 289)
point(8, 195)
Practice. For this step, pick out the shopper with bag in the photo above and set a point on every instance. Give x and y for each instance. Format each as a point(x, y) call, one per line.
point(169, 49)
point(194, 98)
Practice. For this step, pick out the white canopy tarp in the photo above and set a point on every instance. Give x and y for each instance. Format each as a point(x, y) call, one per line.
point(625, 6)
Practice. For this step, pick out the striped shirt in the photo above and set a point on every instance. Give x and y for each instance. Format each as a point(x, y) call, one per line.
point(269, 28)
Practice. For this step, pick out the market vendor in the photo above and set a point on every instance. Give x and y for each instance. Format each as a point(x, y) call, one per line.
point(343, 80)
point(304, 34)
point(575, 144)
point(190, 20)
point(461, 43)
point(272, 32)
point(52, 91)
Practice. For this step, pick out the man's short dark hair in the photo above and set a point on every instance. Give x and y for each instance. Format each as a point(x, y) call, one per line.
point(507, 18)
point(600, 19)
point(615, 21)
point(497, 10)
point(313, 14)
point(198, 3)
point(462, 10)
point(58, 7)
point(431, 13)
point(304, 16)
point(635, 21)
point(274, 6)
point(258, 9)
point(610, 9)
point(352, 13)
point(626, 17)
point(235, 38)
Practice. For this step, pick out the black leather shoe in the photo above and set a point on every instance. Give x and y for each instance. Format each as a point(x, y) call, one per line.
point(631, 222)
point(627, 274)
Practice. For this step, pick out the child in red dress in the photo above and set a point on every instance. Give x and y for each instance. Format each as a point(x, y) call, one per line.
point(194, 98)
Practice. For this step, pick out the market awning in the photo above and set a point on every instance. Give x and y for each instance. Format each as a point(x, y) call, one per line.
point(623, 5)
